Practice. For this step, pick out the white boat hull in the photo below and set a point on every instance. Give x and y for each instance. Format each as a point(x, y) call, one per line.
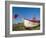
point(30, 24)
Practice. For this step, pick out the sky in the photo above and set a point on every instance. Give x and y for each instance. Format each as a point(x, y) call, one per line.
point(25, 12)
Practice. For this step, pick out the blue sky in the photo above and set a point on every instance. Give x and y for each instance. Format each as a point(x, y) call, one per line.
point(26, 13)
